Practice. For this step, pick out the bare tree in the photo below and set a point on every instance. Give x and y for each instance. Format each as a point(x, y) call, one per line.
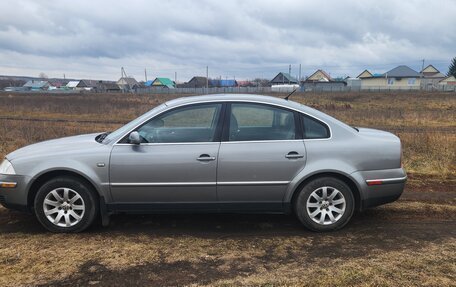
point(42, 75)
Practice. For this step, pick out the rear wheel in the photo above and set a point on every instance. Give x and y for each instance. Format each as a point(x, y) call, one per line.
point(65, 204)
point(325, 204)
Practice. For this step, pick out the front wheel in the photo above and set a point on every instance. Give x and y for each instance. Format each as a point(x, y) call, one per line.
point(325, 204)
point(65, 205)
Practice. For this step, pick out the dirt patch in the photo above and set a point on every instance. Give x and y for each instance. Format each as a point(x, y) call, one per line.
point(178, 250)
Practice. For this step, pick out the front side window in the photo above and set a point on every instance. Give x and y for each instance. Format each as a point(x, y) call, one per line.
point(256, 122)
point(411, 81)
point(314, 129)
point(390, 81)
point(187, 124)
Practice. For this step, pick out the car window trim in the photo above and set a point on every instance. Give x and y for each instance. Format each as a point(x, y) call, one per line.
point(217, 132)
point(301, 119)
point(226, 126)
point(225, 101)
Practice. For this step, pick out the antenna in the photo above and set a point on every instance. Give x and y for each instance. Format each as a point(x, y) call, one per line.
point(287, 97)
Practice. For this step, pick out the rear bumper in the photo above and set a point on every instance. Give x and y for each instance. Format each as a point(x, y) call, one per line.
point(380, 186)
point(13, 193)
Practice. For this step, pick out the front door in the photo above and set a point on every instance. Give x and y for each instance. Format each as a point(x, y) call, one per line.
point(260, 155)
point(176, 161)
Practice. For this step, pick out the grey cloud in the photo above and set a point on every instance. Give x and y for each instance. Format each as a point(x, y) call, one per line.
point(249, 38)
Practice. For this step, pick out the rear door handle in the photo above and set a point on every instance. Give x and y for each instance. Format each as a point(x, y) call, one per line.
point(205, 157)
point(294, 155)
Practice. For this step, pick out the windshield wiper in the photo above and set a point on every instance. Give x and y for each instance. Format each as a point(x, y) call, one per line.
point(101, 137)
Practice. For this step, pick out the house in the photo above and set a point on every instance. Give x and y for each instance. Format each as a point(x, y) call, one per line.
point(246, 84)
point(322, 81)
point(108, 87)
point(283, 78)
point(219, 83)
point(36, 85)
point(448, 81)
point(430, 77)
point(195, 82)
point(319, 76)
point(365, 74)
point(401, 77)
point(57, 84)
point(71, 85)
point(163, 83)
point(128, 84)
point(87, 85)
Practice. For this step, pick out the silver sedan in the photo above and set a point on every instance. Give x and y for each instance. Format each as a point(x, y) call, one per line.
point(217, 153)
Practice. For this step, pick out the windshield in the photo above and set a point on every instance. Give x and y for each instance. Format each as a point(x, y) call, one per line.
point(126, 128)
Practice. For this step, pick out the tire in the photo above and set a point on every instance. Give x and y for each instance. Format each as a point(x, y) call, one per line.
point(71, 205)
point(311, 205)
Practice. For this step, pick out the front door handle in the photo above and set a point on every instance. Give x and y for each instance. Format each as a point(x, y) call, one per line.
point(205, 157)
point(294, 155)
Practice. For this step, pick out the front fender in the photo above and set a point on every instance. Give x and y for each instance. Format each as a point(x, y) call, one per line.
point(97, 176)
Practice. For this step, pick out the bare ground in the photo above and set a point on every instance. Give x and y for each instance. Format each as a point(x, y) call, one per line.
point(410, 242)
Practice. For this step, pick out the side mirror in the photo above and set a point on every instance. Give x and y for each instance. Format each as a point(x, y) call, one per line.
point(134, 138)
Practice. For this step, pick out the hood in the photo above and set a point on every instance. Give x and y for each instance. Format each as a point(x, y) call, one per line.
point(57, 146)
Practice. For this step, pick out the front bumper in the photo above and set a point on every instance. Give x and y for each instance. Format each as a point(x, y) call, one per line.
point(380, 186)
point(13, 191)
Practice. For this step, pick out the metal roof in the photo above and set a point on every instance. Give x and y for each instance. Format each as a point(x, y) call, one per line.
point(402, 72)
point(163, 82)
point(72, 84)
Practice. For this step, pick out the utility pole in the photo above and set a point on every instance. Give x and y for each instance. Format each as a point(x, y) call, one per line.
point(175, 78)
point(145, 74)
point(289, 73)
point(422, 74)
point(207, 79)
point(299, 80)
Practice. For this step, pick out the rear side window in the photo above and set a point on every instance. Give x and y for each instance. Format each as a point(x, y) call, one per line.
point(314, 129)
point(258, 122)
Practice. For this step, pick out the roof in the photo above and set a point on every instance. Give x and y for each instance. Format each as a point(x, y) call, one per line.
point(88, 83)
point(402, 72)
point(148, 83)
point(162, 82)
point(365, 74)
point(284, 77)
point(448, 79)
point(326, 76)
point(36, 84)
point(430, 69)
point(195, 82)
point(127, 81)
point(72, 84)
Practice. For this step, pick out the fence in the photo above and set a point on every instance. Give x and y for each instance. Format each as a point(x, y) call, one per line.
point(263, 90)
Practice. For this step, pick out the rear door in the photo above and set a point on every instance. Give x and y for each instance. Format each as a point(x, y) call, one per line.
point(261, 153)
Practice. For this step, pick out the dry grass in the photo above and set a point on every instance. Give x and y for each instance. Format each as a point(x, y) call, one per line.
point(425, 122)
point(263, 251)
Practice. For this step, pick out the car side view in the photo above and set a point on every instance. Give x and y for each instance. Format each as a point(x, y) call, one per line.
point(205, 154)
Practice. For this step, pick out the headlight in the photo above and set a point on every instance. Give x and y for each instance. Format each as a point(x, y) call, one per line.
point(6, 168)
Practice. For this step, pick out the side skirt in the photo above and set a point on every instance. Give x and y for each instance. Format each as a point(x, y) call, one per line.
point(197, 207)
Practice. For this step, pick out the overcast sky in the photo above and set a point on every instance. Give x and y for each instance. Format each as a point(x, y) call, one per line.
point(245, 39)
